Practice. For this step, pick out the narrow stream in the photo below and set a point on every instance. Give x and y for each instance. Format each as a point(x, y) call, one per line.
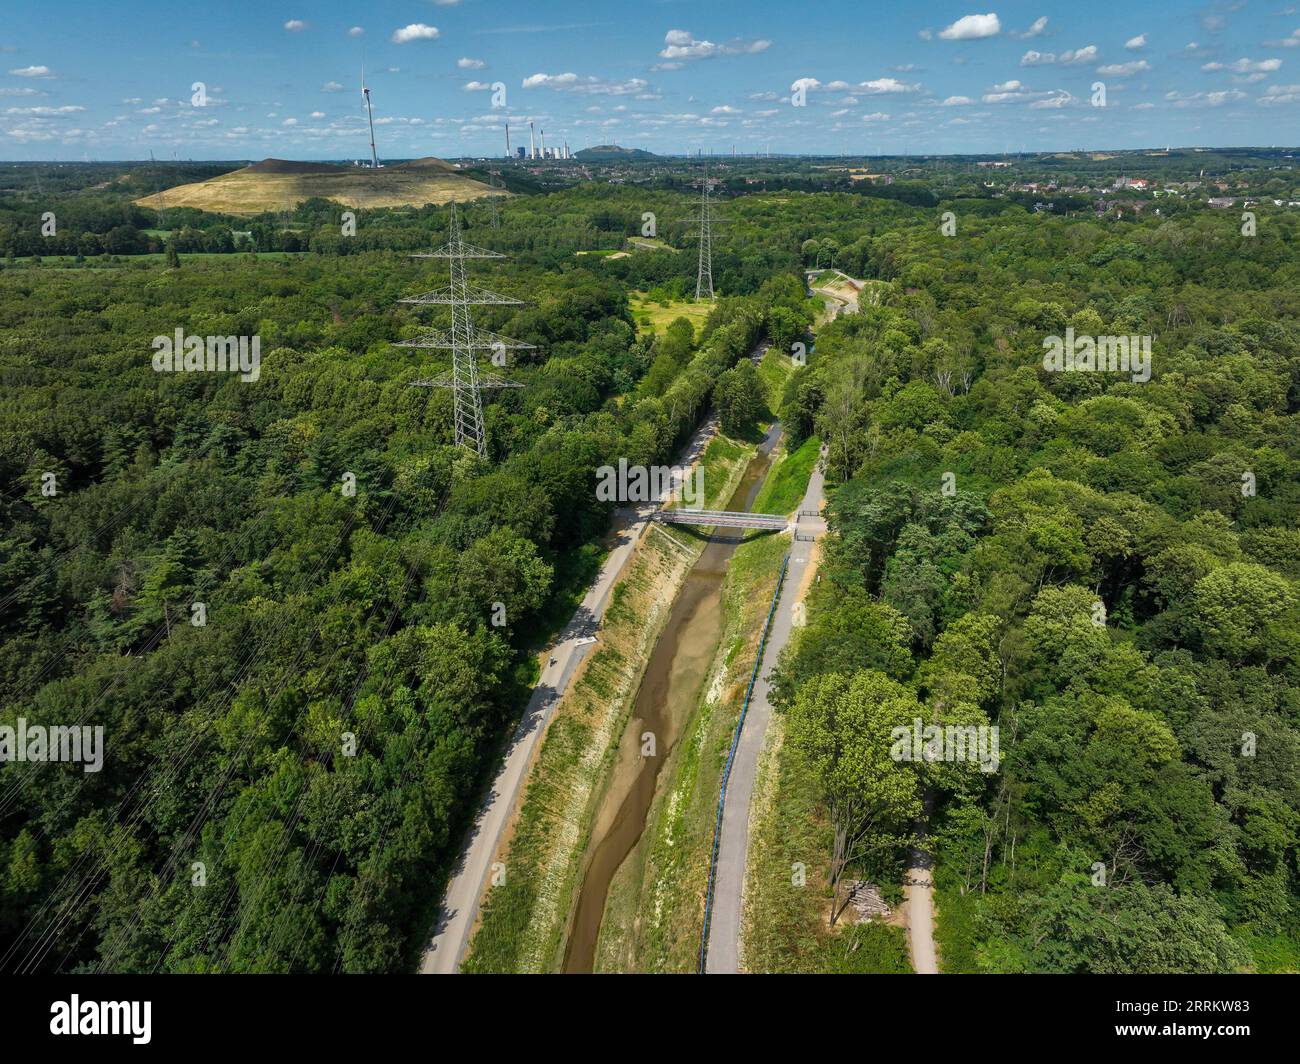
point(669, 693)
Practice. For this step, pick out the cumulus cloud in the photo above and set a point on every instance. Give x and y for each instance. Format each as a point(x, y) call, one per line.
point(295, 25)
point(466, 63)
point(1134, 43)
point(1039, 24)
point(356, 31)
point(47, 112)
point(331, 86)
point(1279, 94)
point(957, 101)
point(1293, 41)
point(1124, 70)
point(1205, 99)
point(972, 27)
point(416, 31)
point(1245, 66)
point(570, 82)
point(874, 87)
point(1070, 57)
point(682, 45)
point(33, 72)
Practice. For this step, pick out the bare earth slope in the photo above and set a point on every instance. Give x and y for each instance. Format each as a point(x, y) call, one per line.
point(279, 184)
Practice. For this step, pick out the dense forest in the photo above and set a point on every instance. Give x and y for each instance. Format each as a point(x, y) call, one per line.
point(1105, 569)
point(310, 751)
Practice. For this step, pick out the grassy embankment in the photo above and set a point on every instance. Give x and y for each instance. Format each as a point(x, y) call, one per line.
point(785, 928)
point(654, 914)
point(524, 918)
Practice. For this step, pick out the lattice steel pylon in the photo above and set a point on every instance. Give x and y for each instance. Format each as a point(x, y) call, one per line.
point(704, 274)
point(464, 378)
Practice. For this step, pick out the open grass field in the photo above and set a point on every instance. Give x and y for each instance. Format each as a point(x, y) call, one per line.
point(655, 317)
point(275, 185)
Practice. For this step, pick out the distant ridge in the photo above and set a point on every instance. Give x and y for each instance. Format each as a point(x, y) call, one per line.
point(613, 152)
point(280, 184)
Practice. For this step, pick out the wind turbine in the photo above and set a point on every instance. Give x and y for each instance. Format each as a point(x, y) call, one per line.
point(365, 91)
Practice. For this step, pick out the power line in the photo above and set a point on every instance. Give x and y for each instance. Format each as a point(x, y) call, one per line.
point(464, 379)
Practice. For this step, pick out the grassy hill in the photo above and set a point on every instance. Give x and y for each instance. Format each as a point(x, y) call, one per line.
point(613, 153)
point(279, 184)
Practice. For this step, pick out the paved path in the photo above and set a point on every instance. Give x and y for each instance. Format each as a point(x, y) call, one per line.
point(918, 896)
point(733, 847)
point(459, 911)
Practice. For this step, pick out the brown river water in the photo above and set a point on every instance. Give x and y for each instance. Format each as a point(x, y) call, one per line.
point(669, 692)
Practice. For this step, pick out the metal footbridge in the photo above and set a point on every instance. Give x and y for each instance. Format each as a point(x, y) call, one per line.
point(722, 519)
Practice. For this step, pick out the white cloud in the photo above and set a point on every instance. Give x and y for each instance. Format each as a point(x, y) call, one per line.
point(1061, 98)
point(331, 86)
point(1134, 43)
point(416, 31)
point(290, 122)
point(1070, 57)
point(874, 87)
point(466, 63)
point(295, 25)
point(725, 109)
point(683, 45)
point(1204, 99)
point(1245, 66)
point(33, 92)
point(1124, 70)
point(45, 111)
point(876, 116)
point(356, 31)
point(32, 72)
point(1039, 24)
point(1292, 41)
point(477, 86)
point(1080, 55)
point(957, 101)
point(972, 27)
point(1280, 94)
point(318, 114)
point(570, 82)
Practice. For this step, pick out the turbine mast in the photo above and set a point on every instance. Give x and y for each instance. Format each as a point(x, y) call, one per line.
point(370, 116)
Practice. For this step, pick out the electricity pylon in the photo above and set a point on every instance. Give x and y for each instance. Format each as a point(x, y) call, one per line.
point(704, 274)
point(464, 379)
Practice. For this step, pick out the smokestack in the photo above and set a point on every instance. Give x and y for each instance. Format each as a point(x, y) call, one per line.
point(532, 141)
point(507, 140)
point(543, 144)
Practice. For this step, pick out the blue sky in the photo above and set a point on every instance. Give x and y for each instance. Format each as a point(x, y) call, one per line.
point(88, 79)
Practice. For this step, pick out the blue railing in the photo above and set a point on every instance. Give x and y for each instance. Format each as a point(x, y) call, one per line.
point(726, 771)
